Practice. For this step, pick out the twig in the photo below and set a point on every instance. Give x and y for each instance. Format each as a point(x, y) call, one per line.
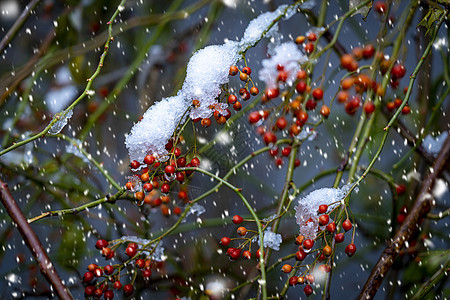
point(17, 25)
point(420, 208)
point(33, 243)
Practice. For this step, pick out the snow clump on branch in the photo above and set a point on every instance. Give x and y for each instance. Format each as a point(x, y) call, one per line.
point(207, 71)
point(306, 214)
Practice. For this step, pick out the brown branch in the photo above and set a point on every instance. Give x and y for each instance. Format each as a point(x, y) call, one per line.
point(33, 243)
point(420, 208)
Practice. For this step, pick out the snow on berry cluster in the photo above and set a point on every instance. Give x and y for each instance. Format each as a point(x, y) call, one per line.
point(306, 211)
point(207, 71)
point(287, 55)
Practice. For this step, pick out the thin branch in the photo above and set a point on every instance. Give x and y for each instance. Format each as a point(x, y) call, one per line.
point(420, 208)
point(33, 243)
point(17, 25)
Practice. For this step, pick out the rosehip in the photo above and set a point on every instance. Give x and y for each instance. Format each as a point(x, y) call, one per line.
point(317, 93)
point(308, 244)
point(286, 268)
point(101, 244)
point(339, 238)
point(293, 280)
point(300, 255)
point(237, 219)
point(130, 251)
point(117, 285)
point(135, 164)
point(331, 227)
point(88, 277)
point(225, 241)
point(347, 225)
point(324, 219)
point(242, 231)
point(323, 208)
point(254, 91)
point(350, 249)
point(247, 254)
point(109, 269)
point(233, 70)
point(308, 290)
point(128, 290)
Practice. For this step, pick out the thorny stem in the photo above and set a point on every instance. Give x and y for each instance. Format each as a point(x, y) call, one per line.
point(33, 243)
point(83, 94)
point(409, 226)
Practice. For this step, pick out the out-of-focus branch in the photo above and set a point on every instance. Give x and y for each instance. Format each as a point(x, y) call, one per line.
point(17, 25)
point(33, 243)
point(420, 209)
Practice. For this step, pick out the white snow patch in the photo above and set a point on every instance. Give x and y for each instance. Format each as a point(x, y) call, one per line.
point(306, 214)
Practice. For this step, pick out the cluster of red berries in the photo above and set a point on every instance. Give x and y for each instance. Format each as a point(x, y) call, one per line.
point(362, 82)
point(327, 231)
point(233, 252)
point(307, 41)
point(158, 178)
point(109, 273)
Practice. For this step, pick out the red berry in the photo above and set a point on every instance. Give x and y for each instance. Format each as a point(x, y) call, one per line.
point(254, 91)
point(247, 70)
point(169, 169)
point(286, 151)
point(225, 241)
point(181, 162)
point(324, 219)
point(400, 188)
point(130, 251)
point(243, 76)
point(308, 244)
point(301, 87)
point(254, 117)
point(347, 225)
point(272, 93)
point(245, 95)
point(106, 251)
point(237, 219)
point(281, 123)
point(323, 208)
point(165, 188)
point(331, 227)
point(406, 110)
point(369, 107)
point(327, 250)
point(148, 187)
point(111, 255)
point(282, 76)
point(149, 159)
point(88, 277)
point(89, 290)
point(128, 290)
point(293, 280)
point(232, 99)
point(117, 285)
point(380, 7)
point(368, 51)
point(247, 254)
point(339, 238)
point(300, 255)
point(317, 93)
point(109, 294)
point(269, 137)
point(311, 36)
point(311, 104)
point(98, 293)
point(286, 268)
point(308, 290)
point(140, 263)
point(180, 177)
point(98, 272)
point(309, 48)
point(147, 273)
point(195, 162)
point(101, 244)
point(206, 122)
point(325, 111)
point(242, 231)
point(237, 106)
point(234, 253)
point(233, 70)
point(398, 71)
point(350, 249)
point(258, 253)
point(135, 164)
point(109, 269)
point(177, 210)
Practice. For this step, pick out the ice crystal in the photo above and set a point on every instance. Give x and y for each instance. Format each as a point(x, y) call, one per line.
point(271, 239)
point(136, 183)
point(62, 121)
point(306, 211)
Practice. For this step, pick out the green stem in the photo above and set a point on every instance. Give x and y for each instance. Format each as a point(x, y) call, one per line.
point(57, 116)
